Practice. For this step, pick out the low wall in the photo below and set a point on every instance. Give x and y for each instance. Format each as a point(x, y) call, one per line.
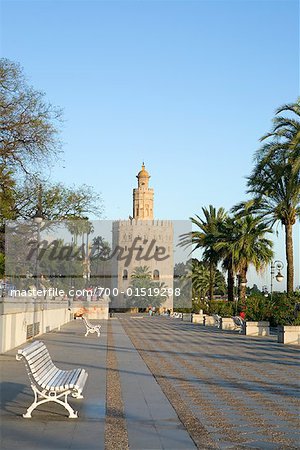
point(261, 328)
point(20, 321)
point(198, 318)
point(17, 328)
point(94, 310)
point(289, 335)
point(187, 317)
point(227, 323)
point(209, 321)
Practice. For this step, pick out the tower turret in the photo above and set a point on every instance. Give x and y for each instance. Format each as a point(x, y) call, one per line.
point(143, 197)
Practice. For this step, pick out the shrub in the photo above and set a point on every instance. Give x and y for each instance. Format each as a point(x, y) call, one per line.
point(279, 311)
point(221, 307)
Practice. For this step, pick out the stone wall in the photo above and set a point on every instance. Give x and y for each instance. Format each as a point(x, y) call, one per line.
point(289, 335)
point(17, 328)
point(20, 321)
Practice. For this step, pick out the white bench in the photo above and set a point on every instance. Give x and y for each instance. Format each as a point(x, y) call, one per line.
point(239, 323)
point(50, 384)
point(90, 328)
point(217, 320)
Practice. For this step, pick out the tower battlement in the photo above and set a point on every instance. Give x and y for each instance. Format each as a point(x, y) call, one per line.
point(142, 223)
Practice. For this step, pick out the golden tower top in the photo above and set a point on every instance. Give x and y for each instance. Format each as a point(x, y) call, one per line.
point(143, 197)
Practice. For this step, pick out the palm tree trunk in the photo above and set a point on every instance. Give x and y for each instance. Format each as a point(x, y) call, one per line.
point(289, 257)
point(242, 289)
point(212, 273)
point(230, 284)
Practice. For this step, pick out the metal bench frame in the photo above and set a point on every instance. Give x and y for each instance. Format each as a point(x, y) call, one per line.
point(217, 320)
point(50, 384)
point(239, 323)
point(90, 328)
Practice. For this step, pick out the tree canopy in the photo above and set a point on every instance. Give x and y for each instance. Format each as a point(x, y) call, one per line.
point(29, 146)
point(29, 124)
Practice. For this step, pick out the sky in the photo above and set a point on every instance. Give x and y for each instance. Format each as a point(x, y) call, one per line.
point(188, 87)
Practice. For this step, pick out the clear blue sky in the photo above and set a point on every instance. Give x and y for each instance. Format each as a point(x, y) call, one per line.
point(187, 86)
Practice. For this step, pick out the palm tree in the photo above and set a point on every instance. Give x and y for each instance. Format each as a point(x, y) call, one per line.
point(100, 253)
point(204, 238)
point(141, 272)
point(284, 136)
point(144, 290)
point(275, 180)
point(242, 241)
point(226, 234)
point(200, 276)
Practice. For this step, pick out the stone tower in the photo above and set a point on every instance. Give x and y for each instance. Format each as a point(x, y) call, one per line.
point(139, 236)
point(143, 197)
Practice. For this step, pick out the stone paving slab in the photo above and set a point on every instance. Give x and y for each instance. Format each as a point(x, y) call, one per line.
point(243, 390)
point(50, 427)
point(152, 422)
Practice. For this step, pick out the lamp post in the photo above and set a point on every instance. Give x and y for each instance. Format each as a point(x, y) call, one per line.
point(276, 265)
point(38, 220)
point(236, 298)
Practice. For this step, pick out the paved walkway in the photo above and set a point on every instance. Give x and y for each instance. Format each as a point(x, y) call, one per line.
point(231, 391)
point(49, 427)
point(157, 383)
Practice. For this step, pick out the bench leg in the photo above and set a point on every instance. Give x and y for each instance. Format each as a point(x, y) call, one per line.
point(93, 330)
point(51, 397)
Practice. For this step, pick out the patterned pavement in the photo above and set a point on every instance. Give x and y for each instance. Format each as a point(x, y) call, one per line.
point(159, 384)
point(230, 391)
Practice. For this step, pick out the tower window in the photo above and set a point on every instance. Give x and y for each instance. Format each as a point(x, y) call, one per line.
point(156, 275)
point(125, 274)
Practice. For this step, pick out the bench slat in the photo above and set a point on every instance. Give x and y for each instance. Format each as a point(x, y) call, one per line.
point(55, 379)
point(63, 379)
point(42, 362)
point(81, 380)
point(59, 381)
point(74, 378)
point(47, 377)
point(71, 375)
point(33, 359)
point(44, 371)
point(31, 350)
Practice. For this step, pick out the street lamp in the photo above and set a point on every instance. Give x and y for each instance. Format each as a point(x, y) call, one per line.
point(276, 265)
point(265, 290)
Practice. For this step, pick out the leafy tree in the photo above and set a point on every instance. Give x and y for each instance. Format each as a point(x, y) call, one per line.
point(58, 202)
point(29, 142)
point(29, 124)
